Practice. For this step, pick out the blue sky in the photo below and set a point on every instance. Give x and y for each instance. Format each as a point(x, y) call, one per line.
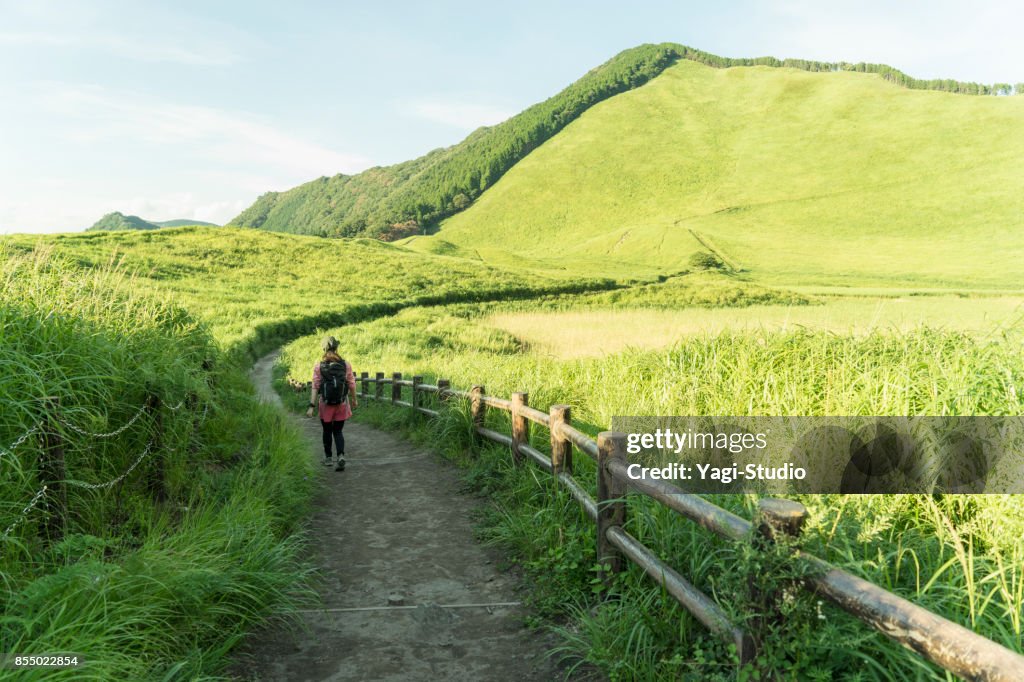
point(193, 109)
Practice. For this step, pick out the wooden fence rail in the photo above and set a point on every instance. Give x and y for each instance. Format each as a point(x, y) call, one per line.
point(947, 644)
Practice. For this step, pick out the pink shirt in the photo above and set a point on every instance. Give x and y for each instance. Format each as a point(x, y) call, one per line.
point(335, 413)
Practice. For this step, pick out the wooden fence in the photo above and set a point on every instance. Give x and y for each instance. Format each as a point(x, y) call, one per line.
point(943, 642)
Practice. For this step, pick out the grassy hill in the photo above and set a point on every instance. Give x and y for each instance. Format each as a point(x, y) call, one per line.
point(255, 288)
point(400, 200)
point(183, 222)
point(117, 221)
point(787, 175)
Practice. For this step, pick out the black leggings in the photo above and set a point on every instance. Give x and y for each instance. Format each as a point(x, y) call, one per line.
point(333, 428)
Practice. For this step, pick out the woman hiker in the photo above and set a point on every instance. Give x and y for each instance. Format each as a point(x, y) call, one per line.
point(335, 384)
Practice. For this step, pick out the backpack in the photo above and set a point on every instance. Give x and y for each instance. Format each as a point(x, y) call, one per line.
point(333, 387)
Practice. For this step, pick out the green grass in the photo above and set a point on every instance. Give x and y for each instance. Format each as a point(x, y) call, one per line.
point(254, 289)
point(959, 556)
point(139, 587)
point(152, 589)
point(794, 177)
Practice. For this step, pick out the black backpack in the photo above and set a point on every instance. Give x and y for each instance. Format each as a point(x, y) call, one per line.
point(333, 387)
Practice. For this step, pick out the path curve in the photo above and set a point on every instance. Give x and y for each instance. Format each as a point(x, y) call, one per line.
point(395, 523)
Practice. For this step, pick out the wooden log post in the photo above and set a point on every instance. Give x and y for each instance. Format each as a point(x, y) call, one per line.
point(378, 387)
point(561, 448)
point(417, 394)
point(520, 426)
point(477, 411)
point(364, 384)
point(156, 480)
point(778, 518)
point(442, 390)
point(53, 473)
point(396, 388)
point(777, 521)
point(611, 502)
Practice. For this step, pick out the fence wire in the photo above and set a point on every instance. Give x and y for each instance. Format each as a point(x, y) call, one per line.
point(24, 512)
point(111, 434)
point(115, 481)
point(9, 450)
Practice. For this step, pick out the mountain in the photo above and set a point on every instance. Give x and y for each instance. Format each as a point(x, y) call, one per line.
point(120, 221)
point(783, 174)
point(396, 201)
point(182, 222)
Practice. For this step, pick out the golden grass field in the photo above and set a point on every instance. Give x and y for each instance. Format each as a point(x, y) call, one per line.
point(593, 333)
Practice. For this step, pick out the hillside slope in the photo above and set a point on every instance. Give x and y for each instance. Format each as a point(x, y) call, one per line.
point(400, 200)
point(254, 288)
point(395, 200)
point(790, 176)
point(117, 221)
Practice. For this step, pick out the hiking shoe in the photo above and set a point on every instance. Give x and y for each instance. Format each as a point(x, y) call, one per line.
point(340, 466)
point(327, 461)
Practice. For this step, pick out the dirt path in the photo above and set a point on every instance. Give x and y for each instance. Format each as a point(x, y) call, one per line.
point(395, 524)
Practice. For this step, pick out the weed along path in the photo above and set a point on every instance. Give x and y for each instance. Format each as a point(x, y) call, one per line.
point(407, 593)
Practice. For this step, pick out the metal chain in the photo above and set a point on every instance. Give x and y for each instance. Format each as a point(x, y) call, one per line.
point(111, 434)
point(175, 408)
point(9, 450)
point(97, 486)
point(24, 512)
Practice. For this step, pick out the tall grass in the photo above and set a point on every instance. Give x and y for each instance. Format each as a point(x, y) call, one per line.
point(140, 588)
point(255, 289)
point(959, 556)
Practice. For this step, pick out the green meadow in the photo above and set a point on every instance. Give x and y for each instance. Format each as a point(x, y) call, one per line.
point(748, 240)
point(960, 556)
point(793, 177)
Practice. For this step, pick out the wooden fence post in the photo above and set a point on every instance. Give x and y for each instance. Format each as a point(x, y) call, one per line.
point(364, 382)
point(417, 396)
point(611, 501)
point(477, 411)
point(777, 519)
point(561, 448)
point(52, 473)
point(156, 481)
point(396, 388)
point(520, 425)
point(442, 387)
point(378, 387)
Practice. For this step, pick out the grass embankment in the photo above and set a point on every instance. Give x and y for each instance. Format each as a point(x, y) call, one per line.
point(795, 177)
point(959, 556)
point(141, 589)
point(256, 289)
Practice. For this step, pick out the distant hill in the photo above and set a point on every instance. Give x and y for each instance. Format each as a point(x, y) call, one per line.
point(778, 174)
point(119, 221)
point(397, 201)
point(181, 222)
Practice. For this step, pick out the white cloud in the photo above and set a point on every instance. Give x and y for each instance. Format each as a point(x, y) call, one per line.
point(464, 115)
point(180, 205)
point(95, 115)
point(934, 39)
point(139, 49)
point(118, 150)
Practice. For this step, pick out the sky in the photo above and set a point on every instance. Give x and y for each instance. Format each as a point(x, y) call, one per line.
point(193, 109)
